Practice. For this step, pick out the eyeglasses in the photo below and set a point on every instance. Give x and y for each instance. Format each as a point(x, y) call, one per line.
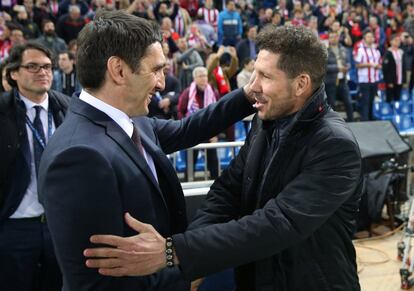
point(35, 68)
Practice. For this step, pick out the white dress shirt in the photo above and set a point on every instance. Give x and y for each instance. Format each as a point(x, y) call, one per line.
point(121, 119)
point(30, 206)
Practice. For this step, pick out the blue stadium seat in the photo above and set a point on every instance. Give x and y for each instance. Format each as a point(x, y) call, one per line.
point(239, 131)
point(403, 107)
point(225, 156)
point(201, 161)
point(383, 111)
point(181, 161)
point(404, 95)
point(403, 122)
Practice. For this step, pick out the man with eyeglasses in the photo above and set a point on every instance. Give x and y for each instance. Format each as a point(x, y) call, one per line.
point(29, 115)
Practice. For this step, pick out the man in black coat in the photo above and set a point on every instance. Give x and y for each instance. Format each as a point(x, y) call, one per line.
point(247, 48)
point(27, 260)
point(107, 158)
point(164, 103)
point(284, 211)
point(393, 68)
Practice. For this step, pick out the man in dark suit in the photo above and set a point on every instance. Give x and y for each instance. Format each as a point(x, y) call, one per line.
point(164, 104)
point(29, 115)
point(101, 163)
point(247, 48)
point(284, 211)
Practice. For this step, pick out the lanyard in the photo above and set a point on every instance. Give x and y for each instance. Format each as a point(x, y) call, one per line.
point(36, 134)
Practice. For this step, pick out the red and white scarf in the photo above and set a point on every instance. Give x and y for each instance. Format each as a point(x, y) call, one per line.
point(193, 106)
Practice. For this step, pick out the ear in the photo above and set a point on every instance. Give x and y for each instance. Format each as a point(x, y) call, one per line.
point(116, 69)
point(303, 85)
point(13, 75)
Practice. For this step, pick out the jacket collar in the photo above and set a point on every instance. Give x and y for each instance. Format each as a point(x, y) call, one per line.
point(314, 106)
point(116, 133)
point(311, 110)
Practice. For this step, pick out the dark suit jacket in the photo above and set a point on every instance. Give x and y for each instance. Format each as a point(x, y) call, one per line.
point(243, 51)
point(389, 68)
point(14, 147)
point(91, 174)
point(172, 91)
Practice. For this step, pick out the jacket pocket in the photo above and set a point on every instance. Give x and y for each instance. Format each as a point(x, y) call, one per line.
point(306, 276)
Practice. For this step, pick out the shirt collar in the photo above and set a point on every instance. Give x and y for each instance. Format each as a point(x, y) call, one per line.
point(30, 104)
point(115, 114)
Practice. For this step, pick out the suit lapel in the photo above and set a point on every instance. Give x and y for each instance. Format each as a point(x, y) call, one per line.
point(116, 134)
point(120, 137)
point(21, 126)
point(169, 184)
point(158, 156)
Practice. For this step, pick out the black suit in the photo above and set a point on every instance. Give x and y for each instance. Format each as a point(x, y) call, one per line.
point(243, 51)
point(91, 174)
point(15, 175)
point(389, 69)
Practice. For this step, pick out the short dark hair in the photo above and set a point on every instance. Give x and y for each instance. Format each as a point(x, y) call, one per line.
point(46, 21)
point(112, 33)
point(15, 58)
point(299, 49)
point(366, 31)
point(246, 61)
point(71, 56)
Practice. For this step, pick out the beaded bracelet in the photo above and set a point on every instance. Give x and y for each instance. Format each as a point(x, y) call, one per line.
point(169, 253)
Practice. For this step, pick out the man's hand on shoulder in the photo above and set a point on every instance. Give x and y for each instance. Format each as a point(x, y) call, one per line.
point(248, 90)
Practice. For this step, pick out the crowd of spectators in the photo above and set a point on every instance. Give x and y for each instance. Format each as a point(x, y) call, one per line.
point(370, 43)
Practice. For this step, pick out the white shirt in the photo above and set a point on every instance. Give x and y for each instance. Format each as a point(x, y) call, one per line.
point(397, 54)
point(369, 55)
point(30, 206)
point(121, 119)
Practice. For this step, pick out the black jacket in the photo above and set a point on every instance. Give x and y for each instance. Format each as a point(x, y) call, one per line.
point(172, 91)
point(14, 147)
point(287, 227)
point(243, 51)
point(389, 68)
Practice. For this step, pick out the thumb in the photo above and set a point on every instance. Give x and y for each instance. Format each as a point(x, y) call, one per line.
point(138, 225)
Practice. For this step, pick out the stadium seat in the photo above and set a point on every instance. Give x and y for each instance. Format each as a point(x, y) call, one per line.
point(383, 111)
point(239, 131)
point(403, 107)
point(403, 122)
point(180, 161)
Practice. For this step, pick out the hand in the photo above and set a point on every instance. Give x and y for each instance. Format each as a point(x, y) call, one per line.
point(390, 85)
point(221, 50)
point(214, 139)
point(196, 284)
point(166, 33)
point(250, 94)
point(232, 50)
point(164, 103)
point(138, 255)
